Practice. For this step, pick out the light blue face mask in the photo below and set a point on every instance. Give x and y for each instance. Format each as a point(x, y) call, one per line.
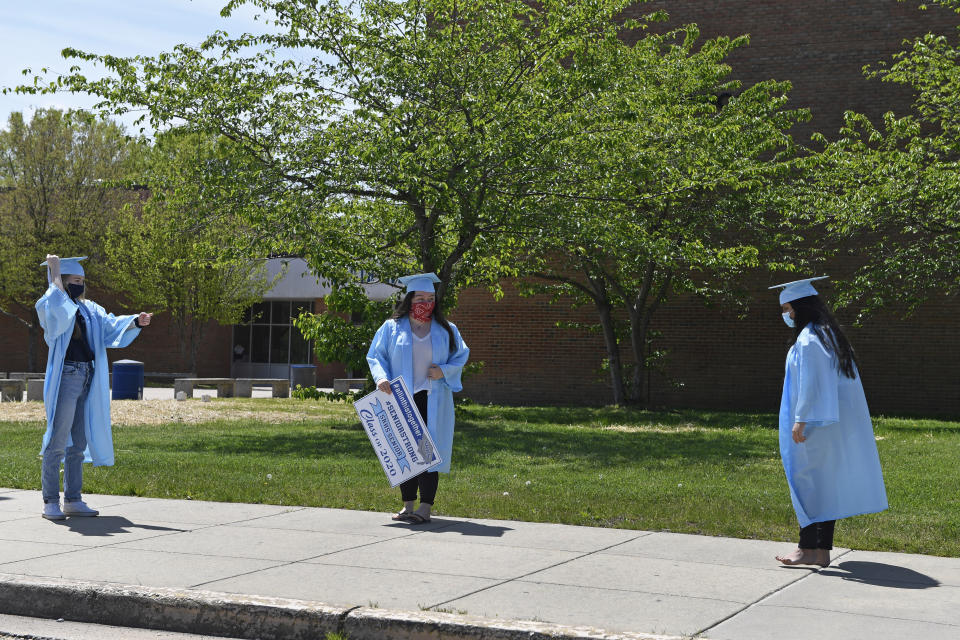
point(789, 320)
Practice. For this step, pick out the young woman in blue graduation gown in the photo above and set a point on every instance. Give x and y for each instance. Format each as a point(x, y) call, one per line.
point(76, 387)
point(827, 443)
point(421, 346)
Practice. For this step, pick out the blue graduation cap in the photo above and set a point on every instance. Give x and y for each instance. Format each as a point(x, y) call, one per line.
point(420, 282)
point(797, 289)
point(68, 267)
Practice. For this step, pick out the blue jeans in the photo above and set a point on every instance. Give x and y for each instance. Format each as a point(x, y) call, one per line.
point(68, 426)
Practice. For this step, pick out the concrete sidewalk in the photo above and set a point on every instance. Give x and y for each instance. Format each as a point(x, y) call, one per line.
point(264, 570)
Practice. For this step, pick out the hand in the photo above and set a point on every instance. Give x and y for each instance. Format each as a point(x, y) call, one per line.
point(53, 264)
point(798, 436)
point(144, 319)
point(434, 372)
point(384, 385)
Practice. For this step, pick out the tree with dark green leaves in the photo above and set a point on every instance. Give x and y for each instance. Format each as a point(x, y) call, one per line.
point(63, 176)
point(893, 188)
point(343, 332)
point(386, 136)
point(158, 256)
point(678, 196)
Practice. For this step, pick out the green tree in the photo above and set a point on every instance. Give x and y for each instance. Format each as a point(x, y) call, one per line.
point(893, 188)
point(158, 256)
point(385, 136)
point(391, 136)
point(679, 196)
point(343, 332)
point(62, 177)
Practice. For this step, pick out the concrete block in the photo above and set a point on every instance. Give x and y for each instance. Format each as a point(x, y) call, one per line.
point(343, 385)
point(12, 390)
point(243, 388)
point(35, 390)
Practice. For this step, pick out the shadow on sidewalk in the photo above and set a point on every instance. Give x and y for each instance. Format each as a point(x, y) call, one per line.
point(881, 575)
point(107, 526)
point(467, 528)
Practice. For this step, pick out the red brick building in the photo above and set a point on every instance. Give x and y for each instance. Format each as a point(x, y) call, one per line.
point(716, 359)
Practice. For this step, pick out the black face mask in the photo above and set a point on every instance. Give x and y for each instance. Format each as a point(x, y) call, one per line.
point(75, 290)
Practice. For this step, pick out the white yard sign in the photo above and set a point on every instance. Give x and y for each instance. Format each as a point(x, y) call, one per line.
point(397, 432)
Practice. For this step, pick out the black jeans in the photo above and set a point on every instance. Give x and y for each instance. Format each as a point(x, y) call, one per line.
point(427, 481)
point(817, 535)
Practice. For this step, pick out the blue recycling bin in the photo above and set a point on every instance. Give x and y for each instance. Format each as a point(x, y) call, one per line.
point(127, 380)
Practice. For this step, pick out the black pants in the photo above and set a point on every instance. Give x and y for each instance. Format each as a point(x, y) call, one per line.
point(818, 535)
point(426, 482)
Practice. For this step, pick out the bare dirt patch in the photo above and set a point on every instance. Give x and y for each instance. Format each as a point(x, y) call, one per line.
point(653, 428)
point(149, 412)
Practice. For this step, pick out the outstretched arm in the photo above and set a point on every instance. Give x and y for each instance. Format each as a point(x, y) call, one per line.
point(53, 264)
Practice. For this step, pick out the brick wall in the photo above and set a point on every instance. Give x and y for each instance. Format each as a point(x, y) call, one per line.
point(820, 46)
point(527, 359)
point(716, 359)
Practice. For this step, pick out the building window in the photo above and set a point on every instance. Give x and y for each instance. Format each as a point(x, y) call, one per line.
point(267, 334)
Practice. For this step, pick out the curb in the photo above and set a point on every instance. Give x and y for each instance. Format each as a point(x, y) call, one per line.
point(263, 618)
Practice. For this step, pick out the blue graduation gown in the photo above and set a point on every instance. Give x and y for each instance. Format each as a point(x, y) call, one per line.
point(391, 354)
point(835, 473)
point(57, 313)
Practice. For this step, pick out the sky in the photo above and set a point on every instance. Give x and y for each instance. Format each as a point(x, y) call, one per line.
point(32, 35)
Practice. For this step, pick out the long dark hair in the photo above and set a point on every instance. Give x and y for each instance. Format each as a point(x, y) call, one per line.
point(812, 311)
point(403, 309)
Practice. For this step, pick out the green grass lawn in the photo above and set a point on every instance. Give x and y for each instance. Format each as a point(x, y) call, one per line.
point(715, 473)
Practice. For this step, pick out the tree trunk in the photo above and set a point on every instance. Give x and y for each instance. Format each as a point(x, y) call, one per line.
point(639, 325)
point(613, 351)
point(640, 317)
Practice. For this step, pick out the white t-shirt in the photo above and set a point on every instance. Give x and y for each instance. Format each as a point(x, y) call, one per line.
point(422, 359)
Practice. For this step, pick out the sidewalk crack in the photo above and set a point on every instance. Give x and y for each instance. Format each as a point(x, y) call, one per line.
point(765, 596)
point(287, 563)
point(530, 573)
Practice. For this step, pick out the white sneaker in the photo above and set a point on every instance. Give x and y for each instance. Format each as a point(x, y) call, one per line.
point(79, 509)
point(51, 511)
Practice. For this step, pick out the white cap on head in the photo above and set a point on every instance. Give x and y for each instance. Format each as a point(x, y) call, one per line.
point(420, 282)
point(68, 267)
point(797, 289)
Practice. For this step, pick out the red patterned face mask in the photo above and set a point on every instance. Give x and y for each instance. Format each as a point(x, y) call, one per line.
point(421, 311)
